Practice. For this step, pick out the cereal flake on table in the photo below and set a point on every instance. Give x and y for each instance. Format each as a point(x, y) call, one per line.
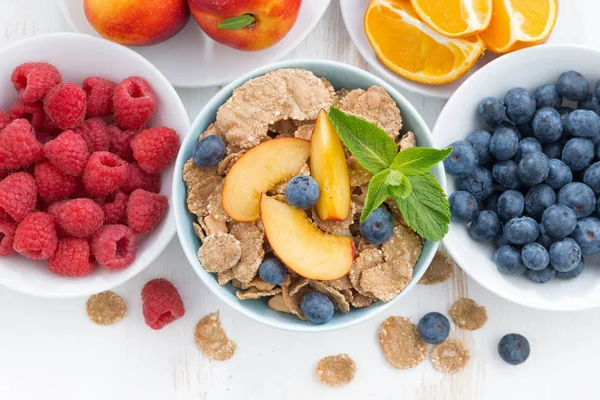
point(336, 370)
point(211, 339)
point(106, 308)
point(440, 269)
point(467, 314)
point(450, 356)
point(400, 342)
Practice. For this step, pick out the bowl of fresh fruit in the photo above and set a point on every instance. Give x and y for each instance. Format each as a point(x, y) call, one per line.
point(88, 133)
point(524, 176)
point(308, 195)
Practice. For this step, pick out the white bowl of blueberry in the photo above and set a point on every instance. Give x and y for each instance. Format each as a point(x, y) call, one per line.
point(525, 176)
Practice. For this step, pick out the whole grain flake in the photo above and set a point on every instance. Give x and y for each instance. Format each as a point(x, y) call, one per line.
point(467, 314)
point(212, 340)
point(400, 341)
point(106, 308)
point(450, 356)
point(336, 370)
point(440, 269)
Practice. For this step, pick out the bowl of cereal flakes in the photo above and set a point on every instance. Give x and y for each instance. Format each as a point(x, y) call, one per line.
point(268, 196)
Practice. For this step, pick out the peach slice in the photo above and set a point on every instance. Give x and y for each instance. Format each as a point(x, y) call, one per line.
point(303, 247)
point(259, 170)
point(329, 168)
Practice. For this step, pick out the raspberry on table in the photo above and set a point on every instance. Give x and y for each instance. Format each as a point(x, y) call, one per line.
point(32, 112)
point(99, 93)
point(114, 247)
point(7, 236)
point(34, 80)
point(4, 119)
point(137, 178)
point(155, 148)
point(35, 236)
point(115, 209)
point(80, 217)
point(145, 210)
point(72, 257)
point(65, 105)
point(51, 183)
point(120, 142)
point(95, 133)
point(68, 152)
point(161, 303)
point(19, 146)
point(18, 195)
point(134, 102)
point(104, 173)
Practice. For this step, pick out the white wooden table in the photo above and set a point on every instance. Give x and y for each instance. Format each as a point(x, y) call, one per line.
point(50, 350)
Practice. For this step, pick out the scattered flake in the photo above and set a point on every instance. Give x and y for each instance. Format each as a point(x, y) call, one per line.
point(251, 239)
point(450, 356)
point(106, 308)
point(348, 294)
point(336, 370)
point(224, 277)
point(440, 269)
point(385, 281)
point(212, 340)
point(212, 226)
point(225, 164)
point(340, 283)
point(400, 341)
point(211, 130)
point(215, 204)
point(287, 127)
point(360, 300)
point(305, 131)
point(376, 106)
point(220, 252)
point(292, 292)
point(197, 198)
point(337, 298)
point(192, 174)
point(254, 293)
point(358, 175)
point(328, 85)
point(334, 226)
point(369, 258)
point(362, 244)
point(237, 284)
point(339, 95)
point(403, 248)
point(199, 231)
point(408, 140)
point(467, 314)
point(276, 303)
point(260, 284)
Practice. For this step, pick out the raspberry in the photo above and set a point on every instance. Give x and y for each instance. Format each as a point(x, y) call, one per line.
point(32, 112)
point(18, 145)
point(95, 133)
point(104, 173)
point(72, 257)
point(65, 104)
point(115, 209)
point(7, 236)
point(80, 217)
point(35, 236)
point(120, 140)
point(161, 303)
point(99, 93)
point(134, 103)
point(53, 211)
point(33, 81)
point(4, 119)
point(18, 195)
point(68, 152)
point(114, 247)
point(155, 148)
point(145, 210)
point(52, 184)
point(137, 178)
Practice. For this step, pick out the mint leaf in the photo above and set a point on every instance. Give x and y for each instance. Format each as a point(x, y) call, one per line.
point(376, 193)
point(418, 160)
point(241, 21)
point(426, 210)
point(371, 146)
point(399, 185)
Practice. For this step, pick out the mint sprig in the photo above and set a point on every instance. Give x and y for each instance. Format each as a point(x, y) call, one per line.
point(403, 175)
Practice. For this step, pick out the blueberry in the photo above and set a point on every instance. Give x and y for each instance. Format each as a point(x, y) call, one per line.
point(533, 168)
point(598, 206)
point(560, 174)
point(559, 221)
point(578, 153)
point(587, 235)
point(209, 151)
point(572, 86)
point(272, 271)
point(547, 126)
point(508, 261)
point(504, 143)
point(434, 328)
point(544, 239)
point(316, 307)
point(526, 146)
point(505, 173)
point(521, 230)
point(514, 348)
point(378, 226)
point(553, 150)
point(480, 140)
point(537, 199)
point(485, 227)
point(591, 103)
point(547, 96)
point(491, 203)
point(564, 112)
point(302, 192)
point(463, 207)
point(592, 177)
point(574, 273)
point(520, 105)
point(463, 160)
point(492, 111)
point(579, 196)
point(583, 123)
point(510, 205)
point(479, 183)
point(500, 239)
point(541, 276)
point(565, 255)
point(535, 256)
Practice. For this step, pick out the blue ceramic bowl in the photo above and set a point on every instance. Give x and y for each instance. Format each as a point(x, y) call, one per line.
point(341, 76)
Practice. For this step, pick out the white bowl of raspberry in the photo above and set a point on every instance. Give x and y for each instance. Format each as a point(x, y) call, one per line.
point(88, 133)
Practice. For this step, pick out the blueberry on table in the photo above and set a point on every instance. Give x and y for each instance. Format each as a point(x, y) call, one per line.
point(591, 103)
point(579, 197)
point(578, 153)
point(574, 273)
point(541, 276)
point(209, 151)
point(526, 146)
point(505, 173)
point(485, 227)
point(492, 111)
point(537, 199)
point(479, 183)
point(302, 192)
point(520, 105)
point(583, 123)
point(521, 230)
point(560, 174)
point(272, 271)
point(553, 150)
point(504, 143)
point(508, 260)
point(533, 168)
point(514, 348)
point(434, 328)
point(591, 177)
point(463, 207)
point(565, 255)
point(547, 96)
point(378, 226)
point(547, 126)
point(463, 159)
point(559, 221)
point(511, 205)
point(316, 307)
point(587, 235)
point(535, 256)
point(544, 239)
point(480, 140)
point(572, 86)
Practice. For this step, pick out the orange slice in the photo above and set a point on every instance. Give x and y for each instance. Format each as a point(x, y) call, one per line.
point(455, 18)
point(519, 23)
point(410, 48)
